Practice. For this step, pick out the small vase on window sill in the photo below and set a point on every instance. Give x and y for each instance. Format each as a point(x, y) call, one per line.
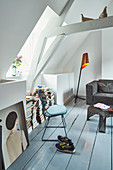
point(16, 63)
point(14, 70)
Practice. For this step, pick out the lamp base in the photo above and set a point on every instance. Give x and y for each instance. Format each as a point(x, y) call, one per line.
point(76, 97)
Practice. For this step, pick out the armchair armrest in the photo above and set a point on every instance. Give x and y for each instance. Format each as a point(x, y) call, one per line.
point(91, 89)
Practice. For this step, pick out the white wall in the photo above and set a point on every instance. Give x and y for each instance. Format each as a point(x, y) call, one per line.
point(50, 80)
point(65, 87)
point(68, 58)
point(60, 62)
point(110, 9)
point(107, 49)
point(38, 82)
point(12, 92)
point(61, 84)
point(107, 54)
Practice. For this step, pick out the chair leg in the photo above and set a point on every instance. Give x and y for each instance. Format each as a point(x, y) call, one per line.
point(64, 124)
point(46, 126)
point(46, 123)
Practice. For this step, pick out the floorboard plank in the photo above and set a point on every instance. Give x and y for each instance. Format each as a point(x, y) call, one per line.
point(101, 157)
point(82, 155)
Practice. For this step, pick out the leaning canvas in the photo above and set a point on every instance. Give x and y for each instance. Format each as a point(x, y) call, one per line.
point(14, 133)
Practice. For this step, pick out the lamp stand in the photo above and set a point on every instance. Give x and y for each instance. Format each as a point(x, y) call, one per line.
point(85, 62)
point(76, 96)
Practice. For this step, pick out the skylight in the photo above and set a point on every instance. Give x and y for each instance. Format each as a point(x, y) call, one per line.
point(31, 45)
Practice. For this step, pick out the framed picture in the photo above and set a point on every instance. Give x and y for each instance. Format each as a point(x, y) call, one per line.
point(14, 133)
point(0, 146)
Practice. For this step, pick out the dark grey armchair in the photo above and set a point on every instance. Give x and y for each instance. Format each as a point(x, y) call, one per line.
point(99, 91)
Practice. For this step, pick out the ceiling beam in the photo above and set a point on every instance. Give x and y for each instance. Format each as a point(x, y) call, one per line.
point(38, 65)
point(43, 62)
point(92, 25)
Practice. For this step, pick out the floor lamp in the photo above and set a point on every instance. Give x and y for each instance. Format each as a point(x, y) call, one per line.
point(85, 63)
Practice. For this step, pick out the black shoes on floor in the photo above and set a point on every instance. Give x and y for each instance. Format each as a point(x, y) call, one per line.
point(65, 145)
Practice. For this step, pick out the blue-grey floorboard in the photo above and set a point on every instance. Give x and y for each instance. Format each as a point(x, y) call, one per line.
point(81, 158)
point(101, 157)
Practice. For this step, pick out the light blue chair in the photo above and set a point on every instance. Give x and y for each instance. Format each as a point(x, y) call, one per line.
point(53, 111)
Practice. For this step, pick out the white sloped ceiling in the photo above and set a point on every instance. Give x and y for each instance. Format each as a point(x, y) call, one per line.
point(67, 49)
point(65, 52)
point(17, 19)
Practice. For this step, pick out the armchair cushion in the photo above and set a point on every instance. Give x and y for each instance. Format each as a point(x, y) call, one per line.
point(106, 98)
point(105, 88)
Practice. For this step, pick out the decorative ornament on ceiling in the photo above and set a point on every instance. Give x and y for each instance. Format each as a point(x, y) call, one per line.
point(102, 15)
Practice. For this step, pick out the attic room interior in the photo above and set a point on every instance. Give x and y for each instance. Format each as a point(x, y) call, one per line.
point(42, 78)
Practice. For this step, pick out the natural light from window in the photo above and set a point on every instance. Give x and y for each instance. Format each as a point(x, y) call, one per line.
point(27, 51)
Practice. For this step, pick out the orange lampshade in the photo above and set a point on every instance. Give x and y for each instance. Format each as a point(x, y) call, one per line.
point(85, 60)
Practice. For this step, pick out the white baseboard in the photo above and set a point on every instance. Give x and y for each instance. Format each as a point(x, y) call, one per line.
point(69, 99)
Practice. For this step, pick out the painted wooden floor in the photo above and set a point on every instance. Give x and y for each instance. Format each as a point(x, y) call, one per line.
point(93, 149)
